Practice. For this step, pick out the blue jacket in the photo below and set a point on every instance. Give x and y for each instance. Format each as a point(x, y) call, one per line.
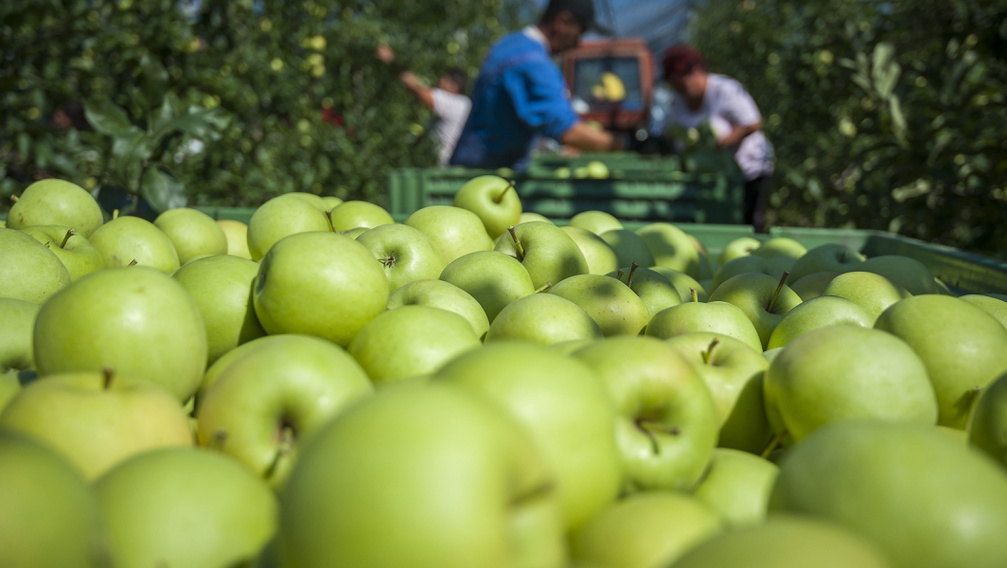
point(519, 95)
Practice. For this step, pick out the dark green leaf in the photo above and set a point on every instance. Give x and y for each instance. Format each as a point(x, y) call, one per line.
point(162, 190)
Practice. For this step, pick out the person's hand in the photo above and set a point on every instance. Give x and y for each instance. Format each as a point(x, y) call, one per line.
point(384, 53)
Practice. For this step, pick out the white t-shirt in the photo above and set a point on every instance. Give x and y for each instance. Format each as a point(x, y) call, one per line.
point(451, 111)
point(726, 104)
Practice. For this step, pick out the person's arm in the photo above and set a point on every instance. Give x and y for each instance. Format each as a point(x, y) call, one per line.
point(588, 138)
point(738, 133)
point(416, 86)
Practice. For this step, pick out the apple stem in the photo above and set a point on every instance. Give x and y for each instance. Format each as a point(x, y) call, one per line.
point(283, 448)
point(132, 263)
point(387, 261)
point(618, 274)
point(13, 198)
point(774, 443)
point(632, 270)
point(69, 233)
point(772, 301)
point(695, 295)
point(709, 351)
point(499, 198)
point(517, 243)
point(651, 427)
point(544, 288)
point(219, 439)
point(115, 214)
point(541, 490)
point(106, 378)
point(328, 217)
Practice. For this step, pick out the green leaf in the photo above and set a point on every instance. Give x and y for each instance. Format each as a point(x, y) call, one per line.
point(106, 117)
point(153, 79)
point(162, 190)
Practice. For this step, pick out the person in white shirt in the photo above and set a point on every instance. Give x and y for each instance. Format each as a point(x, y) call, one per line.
point(724, 104)
point(446, 100)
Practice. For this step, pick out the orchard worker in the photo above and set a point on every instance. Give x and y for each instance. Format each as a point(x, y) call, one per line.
point(520, 94)
point(447, 101)
point(724, 104)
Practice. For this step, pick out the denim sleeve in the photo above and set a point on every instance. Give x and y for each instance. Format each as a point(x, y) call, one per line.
point(538, 94)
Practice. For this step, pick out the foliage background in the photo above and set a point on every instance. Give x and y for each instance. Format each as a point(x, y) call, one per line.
point(884, 115)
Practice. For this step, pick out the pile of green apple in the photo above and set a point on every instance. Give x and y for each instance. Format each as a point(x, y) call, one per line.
point(479, 387)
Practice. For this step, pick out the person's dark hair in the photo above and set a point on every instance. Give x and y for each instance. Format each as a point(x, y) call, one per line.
point(581, 10)
point(681, 59)
point(458, 76)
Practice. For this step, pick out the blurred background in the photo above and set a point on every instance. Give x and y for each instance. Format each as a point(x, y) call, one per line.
point(884, 115)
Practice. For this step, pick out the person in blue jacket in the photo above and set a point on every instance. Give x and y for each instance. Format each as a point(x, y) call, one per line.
point(520, 94)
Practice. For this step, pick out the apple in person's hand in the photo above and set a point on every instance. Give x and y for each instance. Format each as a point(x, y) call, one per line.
point(129, 240)
point(493, 199)
point(565, 407)
point(611, 304)
point(424, 475)
point(961, 346)
point(193, 233)
point(543, 318)
point(28, 270)
point(987, 425)
point(649, 528)
point(355, 213)
point(97, 420)
point(453, 230)
point(185, 507)
point(236, 233)
point(50, 514)
point(830, 257)
point(741, 246)
point(136, 320)
point(672, 247)
point(410, 341)
point(922, 498)
point(261, 407)
point(221, 285)
point(737, 486)
point(844, 372)
point(549, 254)
point(405, 253)
point(595, 221)
point(599, 255)
point(319, 283)
point(872, 292)
point(76, 253)
point(821, 311)
point(56, 202)
point(656, 291)
point(444, 295)
point(667, 421)
point(764, 299)
point(493, 278)
point(630, 248)
point(717, 317)
point(282, 216)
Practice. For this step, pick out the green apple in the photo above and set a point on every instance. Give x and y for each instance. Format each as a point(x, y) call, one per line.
point(741, 246)
point(50, 514)
point(136, 320)
point(281, 216)
point(185, 507)
point(925, 500)
point(671, 247)
point(737, 486)
point(28, 270)
point(830, 257)
point(493, 199)
point(76, 253)
point(764, 299)
point(656, 291)
point(773, 266)
point(777, 247)
point(786, 541)
point(263, 405)
point(221, 285)
point(125, 241)
point(650, 528)
point(351, 214)
point(549, 254)
point(684, 283)
point(193, 233)
point(667, 420)
point(527, 216)
point(565, 407)
point(812, 285)
point(410, 341)
point(421, 475)
point(444, 295)
point(18, 317)
point(599, 255)
point(872, 292)
point(319, 283)
point(990, 304)
point(97, 420)
point(616, 308)
point(56, 202)
point(903, 271)
point(630, 248)
point(733, 371)
point(543, 318)
point(493, 278)
point(987, 426)
point(821, 311)
point(330, 202)
point(597, 169)
point(961, 346)
point(405, 253)
point(718, 317)
point(453, 230)
point(236, 233)
point(846, 371)
point(595, 221)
